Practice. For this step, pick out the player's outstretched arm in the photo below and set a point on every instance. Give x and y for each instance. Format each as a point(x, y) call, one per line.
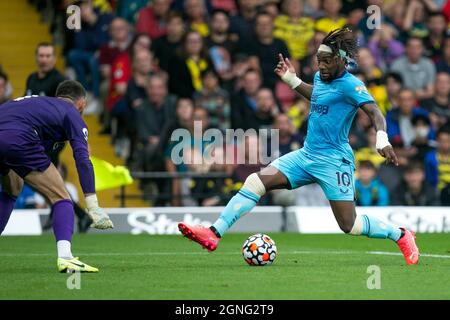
point(100, 219)
point(286, 71)
point(383, 146)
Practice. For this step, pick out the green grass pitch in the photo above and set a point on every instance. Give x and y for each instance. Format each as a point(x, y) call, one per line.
point(171, 267)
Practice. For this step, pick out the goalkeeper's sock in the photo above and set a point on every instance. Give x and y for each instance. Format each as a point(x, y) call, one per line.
point(63, 221)
point(6, 207)
point(375, 228)
point(240, 204)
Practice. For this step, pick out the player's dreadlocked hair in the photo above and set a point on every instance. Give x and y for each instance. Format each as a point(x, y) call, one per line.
point(342, 39)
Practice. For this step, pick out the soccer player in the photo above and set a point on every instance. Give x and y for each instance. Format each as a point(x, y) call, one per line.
point(31, 126)
point(326, 157)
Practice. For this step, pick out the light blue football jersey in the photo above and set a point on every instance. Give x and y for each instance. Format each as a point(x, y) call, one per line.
point(333, 107)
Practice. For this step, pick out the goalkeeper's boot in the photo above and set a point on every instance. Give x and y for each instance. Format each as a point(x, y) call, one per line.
point(200, 234)
point(74, 265)
point(407, 244)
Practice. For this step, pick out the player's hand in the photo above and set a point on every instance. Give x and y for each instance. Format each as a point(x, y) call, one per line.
point(100, 219)
point(388, 153)
point(283, 65)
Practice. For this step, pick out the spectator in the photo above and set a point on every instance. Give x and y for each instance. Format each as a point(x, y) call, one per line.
point(139, 53)
point(289, 139)
point(196, 16)
point(225, 5)
point(243, 103)
point(186, 67)
point(439, 104)
point(332, 20)
point(214, 100)
point(265, 113)
point(369, 152)
point(313, 8)
point(265, 49)
point(121, 73)
point(242, 23)
point(437, 163)
point(423, 133)
point(129, 9)
point(443, 64)
point(221, 45)
point(366, 65)
point(152, 19)
point(271, 8)
point(445, 196)
point(437, 27)
point(369, 190)
point(394, 84)
point(206, 189)
point(417, 71)
point(384, 46)
point(248, 162)
point(151, 117)
point(414, 24)
point(180, 188)
point(44, 81)
point(165, 46)
point(400, 128)
point(414, 190)
point(120, 34)
point(87, 42)
point(309, 65)
point(291, 24)
point(358, 131)
point(4, 96)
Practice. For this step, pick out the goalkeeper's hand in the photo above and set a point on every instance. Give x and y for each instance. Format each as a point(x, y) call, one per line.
point(99, 217)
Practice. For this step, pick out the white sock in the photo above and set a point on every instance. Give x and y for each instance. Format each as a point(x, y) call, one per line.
point(64, 249)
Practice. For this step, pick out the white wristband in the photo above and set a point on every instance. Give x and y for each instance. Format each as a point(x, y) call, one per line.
point(291, 79)
point(91, 201)
point(382, 140)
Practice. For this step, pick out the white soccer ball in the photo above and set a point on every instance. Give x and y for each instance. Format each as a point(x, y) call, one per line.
point(259, 250)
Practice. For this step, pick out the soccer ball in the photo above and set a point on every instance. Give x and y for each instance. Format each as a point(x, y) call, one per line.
point(259, 250)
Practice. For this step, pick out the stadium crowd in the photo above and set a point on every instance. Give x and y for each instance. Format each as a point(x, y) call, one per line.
point(154, 66)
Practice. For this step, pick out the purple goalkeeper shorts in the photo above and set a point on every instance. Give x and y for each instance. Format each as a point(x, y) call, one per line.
point(22, 152)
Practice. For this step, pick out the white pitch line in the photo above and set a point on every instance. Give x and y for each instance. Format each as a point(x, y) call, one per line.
point(107, 254)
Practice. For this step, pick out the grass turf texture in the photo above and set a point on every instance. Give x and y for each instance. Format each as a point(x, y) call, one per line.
point(171, 267)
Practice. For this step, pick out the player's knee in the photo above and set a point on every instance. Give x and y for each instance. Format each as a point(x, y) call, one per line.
point(58, 195)
point(346, 226)
point(254, 184)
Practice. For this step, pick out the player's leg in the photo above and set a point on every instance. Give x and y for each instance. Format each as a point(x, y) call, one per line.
point(11, 188)
point(285, 172)
point(255, 186)
point(336, 180)
point(51, 185)
point(372, 227)
point(351, 223)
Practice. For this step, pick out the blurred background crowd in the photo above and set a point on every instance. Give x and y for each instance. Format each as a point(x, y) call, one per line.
point(154, 66)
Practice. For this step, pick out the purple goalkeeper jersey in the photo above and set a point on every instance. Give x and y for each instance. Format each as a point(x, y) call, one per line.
point(53, 120)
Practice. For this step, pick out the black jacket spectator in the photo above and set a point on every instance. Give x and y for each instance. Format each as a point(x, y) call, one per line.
point(45, 86)
point(150, 120)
